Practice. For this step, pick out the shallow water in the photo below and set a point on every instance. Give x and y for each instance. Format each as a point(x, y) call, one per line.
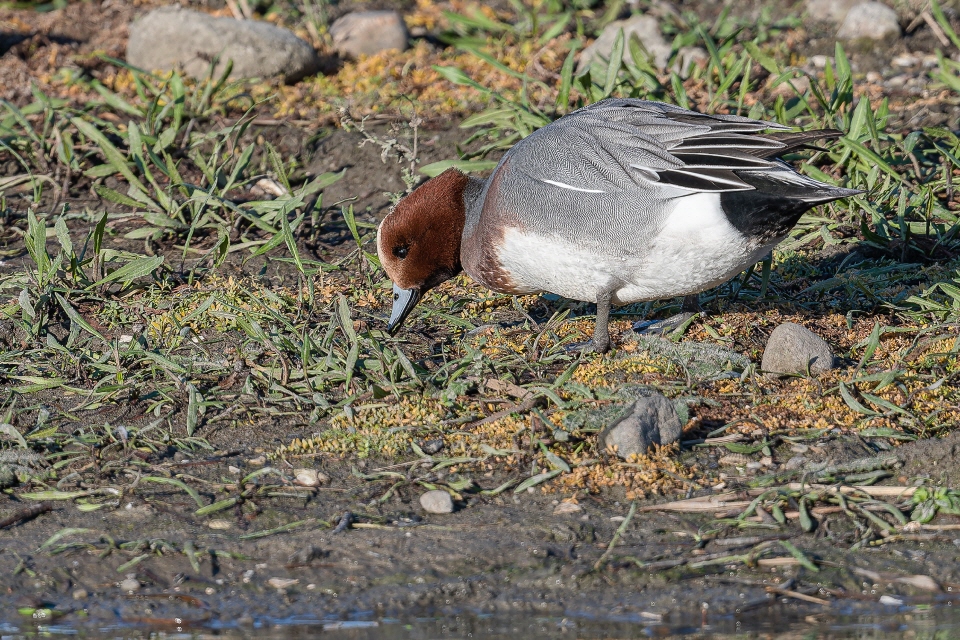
point(922, 623)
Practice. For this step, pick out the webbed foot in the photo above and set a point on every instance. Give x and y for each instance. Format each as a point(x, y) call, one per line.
point(662, 327)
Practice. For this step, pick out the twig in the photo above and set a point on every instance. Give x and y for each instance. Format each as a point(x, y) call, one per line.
point(520, 407)
point(797, 595)
point(937, 31)
point(616, 536)
point(26, 513)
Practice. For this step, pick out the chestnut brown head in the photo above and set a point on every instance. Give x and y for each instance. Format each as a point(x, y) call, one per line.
point(419, 241)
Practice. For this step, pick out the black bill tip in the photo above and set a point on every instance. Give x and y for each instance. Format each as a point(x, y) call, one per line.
point(404, 300)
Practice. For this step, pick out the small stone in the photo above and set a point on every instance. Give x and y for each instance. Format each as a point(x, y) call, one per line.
point(80, 594)
point(829, 10)
point(789, 87)
point(795, 462)
point(304, 555)
point(234, 470)
point(644, 28)
point(871, 21)
point(905, 60)
point(819, 61)
point(650, 419)
point(437, 501)
point(306, 477)
point(369, 32)
point(431, 447)
point(793, 349)
point(282, 583)
point(259, 461)
point(171, 37)
point(219, 525)
point(565, 508)
point(129, 585)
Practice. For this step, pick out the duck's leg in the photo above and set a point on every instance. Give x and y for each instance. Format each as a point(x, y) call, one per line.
point(689, 308)
point(601, 332)
point(600, 343)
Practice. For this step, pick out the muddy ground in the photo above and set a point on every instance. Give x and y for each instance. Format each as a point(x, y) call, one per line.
point(354, 550)
point(503, 556)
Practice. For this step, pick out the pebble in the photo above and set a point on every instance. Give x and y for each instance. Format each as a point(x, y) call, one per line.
point(220, 525)
point(792, 348)
point(259, 461)
point(309, 477)
point(871, 21)
point(651, 419)
point(282, 583)
point(644, 28)
point(788, 88)
point(794, 463)
point(829, 10)
point(171, 37)
point(369, 32)
point(129, 585)
point(80, 594)
point(905, 60)
point(566, 508)
point(437, 501)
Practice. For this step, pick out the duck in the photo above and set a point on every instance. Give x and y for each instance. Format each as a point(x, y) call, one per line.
point(621, 201)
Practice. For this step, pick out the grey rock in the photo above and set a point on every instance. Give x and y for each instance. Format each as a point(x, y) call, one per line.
point(369, 32)
point(437, 501)
point(648, 420)
point(644, 28)
point(792, 348)
point(871, 21)
point(171, 37)
point(833, 11)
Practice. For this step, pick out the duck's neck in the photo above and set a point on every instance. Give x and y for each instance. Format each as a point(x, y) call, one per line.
point(472, 204)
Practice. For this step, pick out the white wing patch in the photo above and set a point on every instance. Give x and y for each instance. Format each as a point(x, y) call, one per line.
point(564, 185)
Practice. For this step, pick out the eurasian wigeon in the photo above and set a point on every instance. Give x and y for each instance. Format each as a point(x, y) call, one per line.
point(621, 201)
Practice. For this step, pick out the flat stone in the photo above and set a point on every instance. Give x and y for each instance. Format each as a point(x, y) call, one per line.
point(833, 11)
point(870, 21)
point(309, 477)
point(80, 594)
point(645, 28)
point(437, 501)
point(172, 37)
point(365, 33)
point(567, 508)
point(792, 349)
point(648, 420)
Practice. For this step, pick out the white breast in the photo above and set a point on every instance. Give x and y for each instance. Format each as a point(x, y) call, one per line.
point(696, 249)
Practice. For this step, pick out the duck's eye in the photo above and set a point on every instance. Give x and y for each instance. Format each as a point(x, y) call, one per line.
point(401, 251)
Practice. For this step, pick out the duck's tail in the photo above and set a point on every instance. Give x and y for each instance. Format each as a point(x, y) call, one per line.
point(779, 197)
